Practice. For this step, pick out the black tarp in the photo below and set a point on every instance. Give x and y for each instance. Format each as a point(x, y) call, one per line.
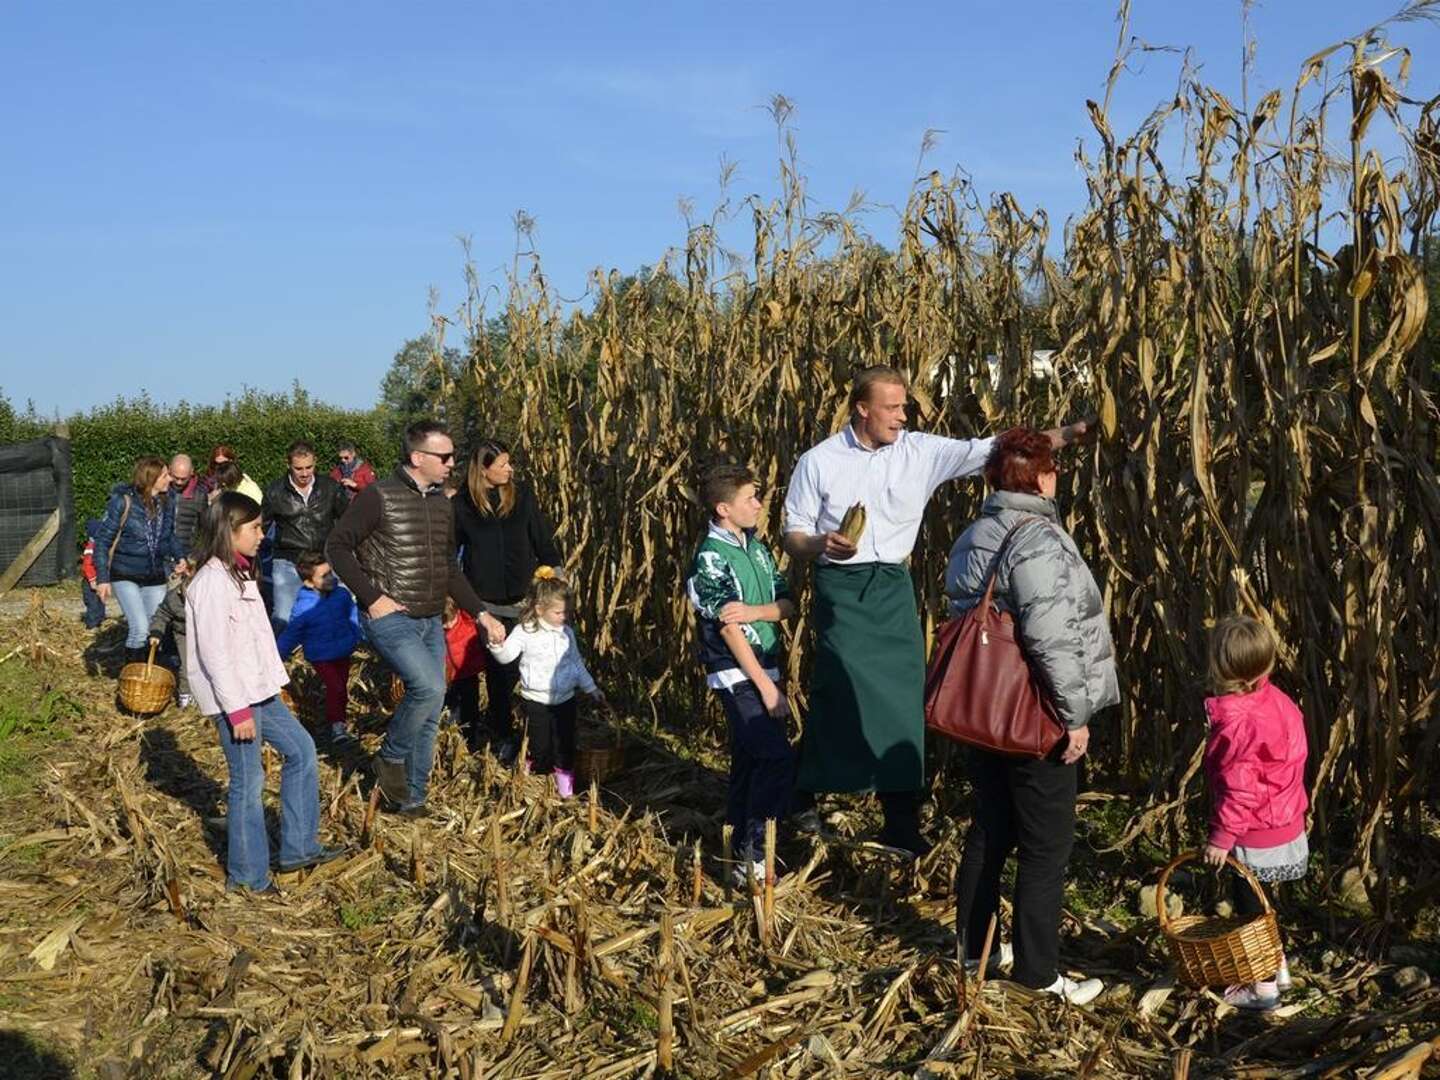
point(34, 480)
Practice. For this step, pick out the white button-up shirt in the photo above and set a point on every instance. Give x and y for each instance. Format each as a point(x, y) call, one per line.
point(894, 482)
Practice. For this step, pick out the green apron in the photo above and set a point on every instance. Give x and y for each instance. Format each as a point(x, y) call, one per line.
point(866, 725)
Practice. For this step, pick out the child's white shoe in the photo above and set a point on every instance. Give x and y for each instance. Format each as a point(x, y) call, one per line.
point(1002, 957)
point(1076, 992)
point(1283, 982)
point(1256, 997)
point(185, 701)
point(742, 872)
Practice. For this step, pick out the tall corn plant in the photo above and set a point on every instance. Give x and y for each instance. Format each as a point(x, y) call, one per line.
point(1267, 441)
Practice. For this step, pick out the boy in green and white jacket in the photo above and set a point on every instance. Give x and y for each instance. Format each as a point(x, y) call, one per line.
point(740, 597)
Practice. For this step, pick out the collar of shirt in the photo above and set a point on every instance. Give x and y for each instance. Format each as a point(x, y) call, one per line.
point(724, 535)
point(304, 492)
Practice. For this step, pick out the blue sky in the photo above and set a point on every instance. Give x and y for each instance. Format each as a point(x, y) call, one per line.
point(198, 196)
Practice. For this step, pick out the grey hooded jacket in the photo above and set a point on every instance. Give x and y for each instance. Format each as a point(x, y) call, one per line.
point(1046, 587)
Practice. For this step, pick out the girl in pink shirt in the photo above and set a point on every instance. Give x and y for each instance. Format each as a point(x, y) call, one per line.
point(1255, 768)
point(235, 678)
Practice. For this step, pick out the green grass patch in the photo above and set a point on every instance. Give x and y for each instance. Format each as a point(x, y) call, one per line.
point(359, 915)
point(33, 716)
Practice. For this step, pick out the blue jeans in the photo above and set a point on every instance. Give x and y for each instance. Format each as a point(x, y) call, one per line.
point(284, 588)
point(415, 648)
point(247, 858)
point(762, 768)
point(138, 603)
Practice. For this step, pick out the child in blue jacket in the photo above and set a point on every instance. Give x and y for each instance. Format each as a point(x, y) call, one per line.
point(326, 624)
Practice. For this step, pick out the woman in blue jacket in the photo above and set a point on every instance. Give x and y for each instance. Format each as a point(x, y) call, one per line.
point(136, 548)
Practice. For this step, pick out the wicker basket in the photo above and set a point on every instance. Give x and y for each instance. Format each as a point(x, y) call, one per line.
point(146, 688)
point(1214, 951)
point(599, 763)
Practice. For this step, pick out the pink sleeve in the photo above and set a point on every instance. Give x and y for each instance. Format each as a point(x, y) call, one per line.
point(211, 598)
point(1229, 813)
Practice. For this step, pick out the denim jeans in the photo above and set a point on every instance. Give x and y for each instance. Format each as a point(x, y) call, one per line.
point(284, 588)
point(247, 859)
point(762, 768)
point(415, 649)
point(138, 603)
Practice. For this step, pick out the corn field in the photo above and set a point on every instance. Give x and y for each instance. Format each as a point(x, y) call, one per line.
point(1239, 303)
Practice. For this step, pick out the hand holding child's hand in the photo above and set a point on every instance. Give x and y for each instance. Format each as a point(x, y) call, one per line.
point(735, 612)
point(1215, 856)
point(494, 628)
point(244, 732)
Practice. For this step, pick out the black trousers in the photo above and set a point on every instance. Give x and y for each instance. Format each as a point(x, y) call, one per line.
point(762, 768)
point(463, 696)
point(500, 680)
point(552, 735)
point(1026, 806)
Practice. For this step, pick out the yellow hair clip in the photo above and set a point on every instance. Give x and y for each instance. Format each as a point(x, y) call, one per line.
point(544, 573)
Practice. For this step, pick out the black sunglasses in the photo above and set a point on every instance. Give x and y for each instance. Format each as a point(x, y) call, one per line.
point(445, 459)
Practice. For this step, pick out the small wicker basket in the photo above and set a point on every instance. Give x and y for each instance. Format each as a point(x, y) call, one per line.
point(1221, 951)
point(599, 763)
point(145, 689)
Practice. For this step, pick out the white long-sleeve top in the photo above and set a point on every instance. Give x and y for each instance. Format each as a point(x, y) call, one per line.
point(551, 668)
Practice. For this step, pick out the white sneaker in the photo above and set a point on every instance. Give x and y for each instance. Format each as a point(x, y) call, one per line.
point(185, 701)
point(1002, 957)
point(1283, 982)
point(1257, 997)
point(1080, 992)
point(740, 873)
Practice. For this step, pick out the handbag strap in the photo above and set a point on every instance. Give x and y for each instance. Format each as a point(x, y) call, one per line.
point(124, 517)
point(988, 602)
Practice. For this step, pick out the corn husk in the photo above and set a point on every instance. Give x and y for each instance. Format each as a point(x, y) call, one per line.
point(852, 525)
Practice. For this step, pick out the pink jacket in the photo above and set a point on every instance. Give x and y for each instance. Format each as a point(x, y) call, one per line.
point(230, 655)
point(1255, 765)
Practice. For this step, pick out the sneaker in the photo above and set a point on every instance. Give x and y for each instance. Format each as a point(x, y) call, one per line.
point(808, 823)
point(418, 812)
point(269, 892)
point(1002, 957)
point(506, 750)
point(185, 700)
point(741, 873)
point(1256, 997)
point(390, 775)
point(320, 858)
point(341, 733)
point(1283, 982)
point(565, 783)
point(1076, 992)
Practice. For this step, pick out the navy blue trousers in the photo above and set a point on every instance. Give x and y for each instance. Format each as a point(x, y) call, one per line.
point(762, 768)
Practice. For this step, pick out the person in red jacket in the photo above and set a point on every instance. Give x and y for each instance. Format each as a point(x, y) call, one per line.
point(464, 663)
point(353, 473)
point(1255, 755)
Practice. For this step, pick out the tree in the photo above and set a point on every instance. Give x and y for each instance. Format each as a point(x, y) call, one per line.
point(419, 385)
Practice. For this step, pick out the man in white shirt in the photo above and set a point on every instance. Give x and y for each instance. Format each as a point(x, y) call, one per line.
point(866, 730)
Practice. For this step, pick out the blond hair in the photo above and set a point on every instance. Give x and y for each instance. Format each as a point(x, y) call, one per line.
point(1242, 652)
point(873, 376)
point(546, 587)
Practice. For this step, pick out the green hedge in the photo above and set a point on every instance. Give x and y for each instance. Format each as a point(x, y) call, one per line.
point(106, 441)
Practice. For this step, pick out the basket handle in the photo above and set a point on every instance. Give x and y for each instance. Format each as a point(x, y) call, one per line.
point(150, 662)
point(1184, 857)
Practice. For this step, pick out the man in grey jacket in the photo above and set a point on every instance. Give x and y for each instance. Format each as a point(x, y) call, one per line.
point(1025, 804)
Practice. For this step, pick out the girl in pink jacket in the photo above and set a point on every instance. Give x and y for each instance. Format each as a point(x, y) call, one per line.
point(1255, 768)
point(235, 677)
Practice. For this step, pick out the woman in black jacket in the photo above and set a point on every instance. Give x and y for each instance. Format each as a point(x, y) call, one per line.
point(502, 536)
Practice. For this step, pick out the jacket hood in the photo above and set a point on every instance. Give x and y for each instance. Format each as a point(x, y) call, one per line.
point(1020, 502)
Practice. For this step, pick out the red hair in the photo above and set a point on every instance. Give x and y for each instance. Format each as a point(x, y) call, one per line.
point(1018, 459)
point(220, 451)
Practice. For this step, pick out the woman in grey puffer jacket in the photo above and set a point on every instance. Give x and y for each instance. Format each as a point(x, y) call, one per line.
point(1025, 803)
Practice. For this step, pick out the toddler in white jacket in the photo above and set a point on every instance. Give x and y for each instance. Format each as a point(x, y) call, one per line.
point(551, 671)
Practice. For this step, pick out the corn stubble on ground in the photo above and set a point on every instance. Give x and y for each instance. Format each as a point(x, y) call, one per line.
point(518, 935)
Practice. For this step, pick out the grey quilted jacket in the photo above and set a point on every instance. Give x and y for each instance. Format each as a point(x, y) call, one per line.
point(1047, 588)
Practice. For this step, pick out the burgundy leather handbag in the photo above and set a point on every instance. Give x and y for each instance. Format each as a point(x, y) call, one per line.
point(980, 689)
